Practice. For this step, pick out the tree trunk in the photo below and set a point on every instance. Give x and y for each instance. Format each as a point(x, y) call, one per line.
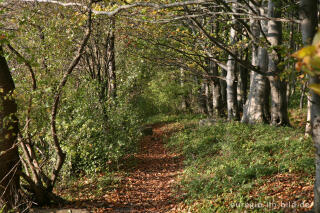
point(223, 87)
point(217, 109)
point(9, 156)
point(266, 102)
point(279, 110)
point(208, 96)
point(202, 99)
point(308, 129)
point(309, 18)
point(242, 88)
point(184, 102)
point(233, 111)
point(303, 91)
point(111, 62)
point(254, 111)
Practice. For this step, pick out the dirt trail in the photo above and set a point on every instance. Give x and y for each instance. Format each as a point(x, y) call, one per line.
point(149, 186)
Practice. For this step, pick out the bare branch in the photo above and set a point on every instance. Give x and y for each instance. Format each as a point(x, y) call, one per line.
point(54, 110)
point(124, 7)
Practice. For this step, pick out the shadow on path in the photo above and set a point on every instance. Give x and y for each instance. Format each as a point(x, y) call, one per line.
point(149, 185)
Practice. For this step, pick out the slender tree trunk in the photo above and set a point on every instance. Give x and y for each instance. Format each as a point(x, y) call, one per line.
point(309, 17)
point(9, 157)
point(208, 94)
point(223, 87)
point(184, 102)
point(266, 102)
point(233, 111)
point(279, 110)
point(303, 91)
point(111, 61)
point(202, 99)
point(217, 109)
point(308, 129)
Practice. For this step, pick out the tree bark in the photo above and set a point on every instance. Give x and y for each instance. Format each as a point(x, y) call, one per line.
point(223, 87)
point(254, 111)
point(233, 111)
point(242, 88)
point(216, 92)
point(202, 98)
point(184, 102)
point(309, 21)
point(208, 94)
point(111, 61)
point(308, 129)
point(303, 90)
point(279, 109)
point(9, 157)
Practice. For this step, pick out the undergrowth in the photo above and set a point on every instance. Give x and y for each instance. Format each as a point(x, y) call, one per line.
point(226, 162)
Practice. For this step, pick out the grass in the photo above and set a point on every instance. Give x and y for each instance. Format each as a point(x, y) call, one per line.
point(228, 163)
point(229, 167)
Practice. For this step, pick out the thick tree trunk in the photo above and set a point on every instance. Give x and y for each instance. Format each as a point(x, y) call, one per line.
point(309, 17)
point(279, 110)
point(254, 111)
point(9, 156)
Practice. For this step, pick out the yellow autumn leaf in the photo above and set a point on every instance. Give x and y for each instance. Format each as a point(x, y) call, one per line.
point(304, 52)
point(315, 88)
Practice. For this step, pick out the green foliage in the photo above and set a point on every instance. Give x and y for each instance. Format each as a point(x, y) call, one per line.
point(92, 143)
point(169, 118)
point(227, 159)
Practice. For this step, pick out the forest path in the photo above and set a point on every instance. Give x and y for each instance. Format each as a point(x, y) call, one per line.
point(149, 186)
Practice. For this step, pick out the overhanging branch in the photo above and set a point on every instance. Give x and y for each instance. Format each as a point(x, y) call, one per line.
point(123, 7)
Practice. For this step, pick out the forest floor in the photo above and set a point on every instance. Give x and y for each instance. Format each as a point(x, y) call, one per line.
point(147, 185)
point(172, 171)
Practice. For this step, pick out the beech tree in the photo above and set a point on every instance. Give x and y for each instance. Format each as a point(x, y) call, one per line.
point(254, 108)
point(279, 113)
point(309, 21)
